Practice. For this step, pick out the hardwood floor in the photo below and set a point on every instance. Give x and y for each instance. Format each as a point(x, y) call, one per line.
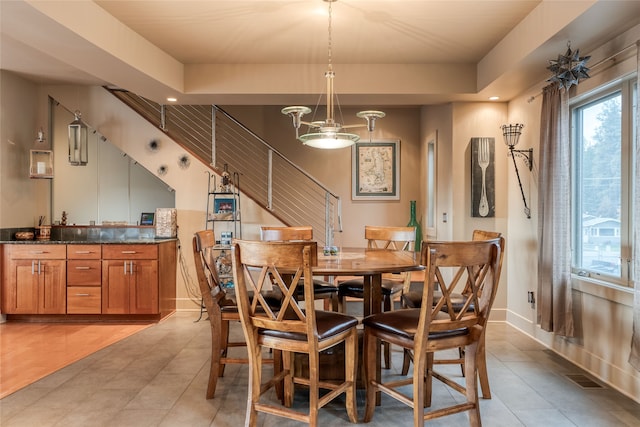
point(31, 351)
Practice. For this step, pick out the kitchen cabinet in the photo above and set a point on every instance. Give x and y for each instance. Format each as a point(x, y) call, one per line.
point(84, 279)
point(130, 279)
point(34, 279)
point(88, 281)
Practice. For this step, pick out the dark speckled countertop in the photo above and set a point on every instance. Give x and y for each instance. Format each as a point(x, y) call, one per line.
point(83, 235)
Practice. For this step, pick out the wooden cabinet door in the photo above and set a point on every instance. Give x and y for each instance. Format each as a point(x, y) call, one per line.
point(115, 286)
point(143, 287)
point(35, 287)
point(20, 287)
point(52, 287)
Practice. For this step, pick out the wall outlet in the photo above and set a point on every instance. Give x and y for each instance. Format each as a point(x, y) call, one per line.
point(531, 299)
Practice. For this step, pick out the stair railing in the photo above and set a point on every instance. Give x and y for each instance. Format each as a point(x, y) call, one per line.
point(271, 180)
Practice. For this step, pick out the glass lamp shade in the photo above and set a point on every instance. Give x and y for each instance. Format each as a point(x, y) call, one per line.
point(329, 140)
point(78, 141)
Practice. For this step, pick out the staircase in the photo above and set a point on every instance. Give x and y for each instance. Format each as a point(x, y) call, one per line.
point(267, 177)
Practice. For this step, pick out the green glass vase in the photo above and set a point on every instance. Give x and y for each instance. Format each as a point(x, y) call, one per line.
point(413, 222)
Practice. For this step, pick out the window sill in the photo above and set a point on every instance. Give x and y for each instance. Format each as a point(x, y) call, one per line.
point(614, 293)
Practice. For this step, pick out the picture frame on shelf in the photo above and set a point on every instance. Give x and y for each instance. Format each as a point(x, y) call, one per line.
point(147, 218)
point(375, 170)
point(224, 205)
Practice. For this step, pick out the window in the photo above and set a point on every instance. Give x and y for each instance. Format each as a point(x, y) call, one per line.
point(603, 129)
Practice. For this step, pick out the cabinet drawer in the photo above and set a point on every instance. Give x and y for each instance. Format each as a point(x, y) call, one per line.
point(36, 251)
point(84, 251)
point(129, 251)
point(85, 273)
point(84, 300)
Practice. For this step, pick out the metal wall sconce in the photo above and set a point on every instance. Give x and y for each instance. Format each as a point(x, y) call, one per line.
point(511, 135)
point(40, 136)
point(78, 141)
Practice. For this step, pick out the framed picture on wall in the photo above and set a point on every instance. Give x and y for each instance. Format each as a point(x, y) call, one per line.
point(483, 189)
point(375, 170)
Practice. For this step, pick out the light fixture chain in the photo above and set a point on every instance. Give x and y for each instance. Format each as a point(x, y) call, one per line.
point(330, 40)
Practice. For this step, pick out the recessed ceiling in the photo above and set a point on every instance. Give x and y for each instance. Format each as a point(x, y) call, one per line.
point(384, 52)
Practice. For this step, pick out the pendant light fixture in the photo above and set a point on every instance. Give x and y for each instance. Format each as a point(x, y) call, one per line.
point(78, 141)
point(329, 134)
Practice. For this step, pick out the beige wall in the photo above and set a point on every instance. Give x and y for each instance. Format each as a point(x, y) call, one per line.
point(333, 167)
point(22, 200)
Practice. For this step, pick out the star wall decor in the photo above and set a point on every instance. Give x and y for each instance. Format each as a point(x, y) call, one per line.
point(569, 68)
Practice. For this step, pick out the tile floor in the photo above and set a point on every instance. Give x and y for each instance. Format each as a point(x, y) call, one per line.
point(158, 377)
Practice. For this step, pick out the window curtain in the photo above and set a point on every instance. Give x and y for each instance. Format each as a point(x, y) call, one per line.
point(554, 312)
point(634, 357)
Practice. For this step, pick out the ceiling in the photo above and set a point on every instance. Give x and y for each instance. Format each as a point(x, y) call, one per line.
point(384, 52)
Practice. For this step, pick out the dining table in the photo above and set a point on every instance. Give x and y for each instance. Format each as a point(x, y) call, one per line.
point(371, 264)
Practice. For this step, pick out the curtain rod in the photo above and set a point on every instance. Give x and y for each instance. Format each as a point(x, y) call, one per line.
point(602, 61)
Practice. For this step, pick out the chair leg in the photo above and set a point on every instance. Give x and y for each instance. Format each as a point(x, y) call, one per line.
point(482, 369)
point(428, 378)
point(369, 346)
point(471, 384)
point(350, 366)
point(224, 344)
point(314, 389)
point(421, 388)
point(215, 355)
point(255, 380)
point(386, 306)
point(215, 364)
point(287, 365)
point(406, 361)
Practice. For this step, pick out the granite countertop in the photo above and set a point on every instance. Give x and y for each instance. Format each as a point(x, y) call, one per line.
point(82, 235)
point(132, 241)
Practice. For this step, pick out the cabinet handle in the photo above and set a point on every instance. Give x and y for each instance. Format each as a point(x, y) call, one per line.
point(38, 252)
point(83, 295)
point(131, 267)
point(128, 252)
point(125, 268)
point(83, 252)
point(33, 268)
point(83, 268)
point(38, 267)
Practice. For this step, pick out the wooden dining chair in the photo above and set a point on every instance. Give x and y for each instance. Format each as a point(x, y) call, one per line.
point(436, 327)
point(292, 329)
point(323, 289)
point(220, 309)
point(381, 237)
point(412, 299)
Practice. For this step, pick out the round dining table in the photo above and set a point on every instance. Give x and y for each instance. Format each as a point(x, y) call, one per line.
point(371, 264)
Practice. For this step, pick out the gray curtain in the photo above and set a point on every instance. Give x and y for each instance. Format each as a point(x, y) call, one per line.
point(634, 357)
point(554, 220)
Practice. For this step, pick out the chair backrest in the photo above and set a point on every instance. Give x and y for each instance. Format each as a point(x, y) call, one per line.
point(485, 235)
point(286, 265)
point(203, 256)
point(286, 234)
point(475, 265)
point(382, 237)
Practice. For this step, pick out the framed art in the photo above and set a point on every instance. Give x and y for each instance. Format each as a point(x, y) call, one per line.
point(483, 189)
point(146, 218)
point(375, 170)
point(224, 205)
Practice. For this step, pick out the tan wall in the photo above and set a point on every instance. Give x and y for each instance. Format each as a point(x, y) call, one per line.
point(333, 167)
point(22, 200)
